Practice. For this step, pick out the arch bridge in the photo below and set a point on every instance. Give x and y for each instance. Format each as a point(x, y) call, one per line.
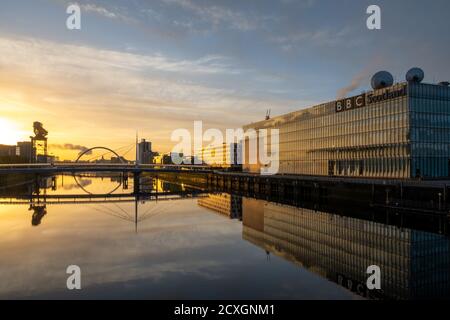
point(78, 167)
point(88, 151)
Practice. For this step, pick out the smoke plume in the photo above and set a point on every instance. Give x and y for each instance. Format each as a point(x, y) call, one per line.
point(355, 84)
point(373, 64)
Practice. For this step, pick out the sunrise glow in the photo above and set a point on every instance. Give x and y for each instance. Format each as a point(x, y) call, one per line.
point(9, 132)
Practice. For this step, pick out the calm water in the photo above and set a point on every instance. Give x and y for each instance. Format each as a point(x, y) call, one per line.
point(201, 246)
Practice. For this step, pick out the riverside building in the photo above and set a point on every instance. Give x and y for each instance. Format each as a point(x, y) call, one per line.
point(395, 131)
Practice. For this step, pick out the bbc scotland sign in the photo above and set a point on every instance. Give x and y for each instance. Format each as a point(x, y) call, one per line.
point(351, 103)
point(374, 98)
point(361, 100)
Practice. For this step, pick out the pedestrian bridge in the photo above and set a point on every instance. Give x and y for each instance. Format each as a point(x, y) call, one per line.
point(73, 167)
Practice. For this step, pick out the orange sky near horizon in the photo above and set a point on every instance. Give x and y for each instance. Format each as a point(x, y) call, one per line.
point(91, 97)
point(158, 66)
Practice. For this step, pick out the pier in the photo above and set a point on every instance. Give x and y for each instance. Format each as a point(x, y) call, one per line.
point(420, 194)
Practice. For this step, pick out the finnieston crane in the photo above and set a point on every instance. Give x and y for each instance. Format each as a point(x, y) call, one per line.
point(39, 131)
point(39, 141)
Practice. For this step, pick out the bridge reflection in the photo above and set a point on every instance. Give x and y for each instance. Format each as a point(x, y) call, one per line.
point(333, 240)
point(39, 192)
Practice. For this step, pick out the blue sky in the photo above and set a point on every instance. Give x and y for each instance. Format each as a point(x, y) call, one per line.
point(159, 65)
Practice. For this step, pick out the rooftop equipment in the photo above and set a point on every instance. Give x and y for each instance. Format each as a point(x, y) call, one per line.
point(415, 75)
point(382, 79)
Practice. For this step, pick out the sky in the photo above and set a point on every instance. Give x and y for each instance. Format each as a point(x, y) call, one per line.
point(157, 66)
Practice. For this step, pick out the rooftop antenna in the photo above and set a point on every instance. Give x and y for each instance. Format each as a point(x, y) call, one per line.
point(268, 114)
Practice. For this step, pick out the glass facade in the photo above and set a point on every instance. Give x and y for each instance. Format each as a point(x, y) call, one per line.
point(223, 156)
point(430, 130)
point(414, 264)
point(397, 132)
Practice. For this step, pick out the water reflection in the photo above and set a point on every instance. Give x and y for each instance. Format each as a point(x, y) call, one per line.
point(39, 211)
point(414, 264)
point(267, 249)
point(94, 188)
point(224, 204)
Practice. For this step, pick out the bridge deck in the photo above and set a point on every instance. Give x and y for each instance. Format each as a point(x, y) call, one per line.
point(89, 167)
point(99, 198)
point(165, 168)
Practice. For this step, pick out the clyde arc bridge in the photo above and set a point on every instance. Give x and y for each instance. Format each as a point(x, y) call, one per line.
point(73, 167)
point(93, 165)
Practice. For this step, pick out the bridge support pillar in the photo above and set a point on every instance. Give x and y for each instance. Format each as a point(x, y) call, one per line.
point(137, 182)
point(125, 181)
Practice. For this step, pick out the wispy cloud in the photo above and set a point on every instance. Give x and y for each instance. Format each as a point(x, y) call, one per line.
point(70, 146)
point(318, 37)
point(47, 51)
point(115, 92)
point(221, 16)
point(99, 10)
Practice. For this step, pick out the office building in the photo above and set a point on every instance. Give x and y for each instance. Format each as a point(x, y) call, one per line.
point(145, 152)
point(395, 131)
point(26, 151)
point(223, 156)
point(7, 151)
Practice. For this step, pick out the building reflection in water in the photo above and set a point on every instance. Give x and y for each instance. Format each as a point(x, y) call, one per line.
point(414, 264)
point(223, 203)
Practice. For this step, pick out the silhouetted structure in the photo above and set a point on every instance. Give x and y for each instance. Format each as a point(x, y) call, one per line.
point(145, 152)
point(26, 151)
point(39, 143)
point(7, 151)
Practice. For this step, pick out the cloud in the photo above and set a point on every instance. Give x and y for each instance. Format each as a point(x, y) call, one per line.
point(220, 16)
point(69, 146)
point(78, 90)
point(99, 10)
point(319, 37)
point(303, 3)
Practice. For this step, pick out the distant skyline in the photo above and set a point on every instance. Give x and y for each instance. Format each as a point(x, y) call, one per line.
point(155, 66)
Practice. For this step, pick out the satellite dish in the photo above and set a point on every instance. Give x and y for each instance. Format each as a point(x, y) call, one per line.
point(382, 79)
point(415, 75)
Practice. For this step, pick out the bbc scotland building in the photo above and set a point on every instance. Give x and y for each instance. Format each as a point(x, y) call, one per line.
point(396, 131)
